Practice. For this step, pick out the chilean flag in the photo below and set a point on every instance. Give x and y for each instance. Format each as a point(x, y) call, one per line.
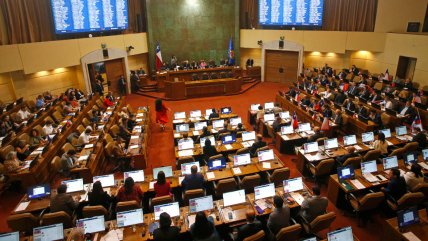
point(325, 124)
point(297, 97)
point(159, 61)
point(294, 121)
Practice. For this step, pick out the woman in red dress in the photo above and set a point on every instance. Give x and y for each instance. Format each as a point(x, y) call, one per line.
point(161, 113)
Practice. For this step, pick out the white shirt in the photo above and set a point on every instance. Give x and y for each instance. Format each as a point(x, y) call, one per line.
point(388, 104)
point(48, 129)
point(83, 139)
point(403, 111)
point(412, 180)
point(24, 114)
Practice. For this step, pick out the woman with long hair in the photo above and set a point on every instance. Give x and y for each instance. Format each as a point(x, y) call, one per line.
point(130, 192)
point(98, 196)
point(414, 176)
point(161, 113)
point(203, 229)
point(381, 144)
point(162, 186)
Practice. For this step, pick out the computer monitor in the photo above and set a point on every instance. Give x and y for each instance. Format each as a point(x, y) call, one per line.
point(235, 121)
point(311, 239)
point(137, 175)
point(344, 234)
point(185, 144)
point(425, 154)
point(241, 159)
point(12, 236)
point(264, 191)
point(167, 170)
point(185, 167)
point(346, 172)
point(201, 204)
point(331, 143)
point(285, 130)
point(386, 132)
point(211, 138)
point(269, 117)
point(410, 157)
point(228, 139)
point(130, 217)
point(215, 164)
point(182, 128)
point(408, 217)
point(38, 191)
point(304, 127)
point(367, 137)
point(310, 147)
point(269, 105)
point(106, 180)
point(254, 107)
point(248, 136)
point(92, 225)
point(368, 167)
point(49, 233)
point(208, 111)
point(265, 155)
point(349, 140)
point(400, 130)
point(232, 198)
point(200, 125)
point(284, 115)
point(180, 115)
point(218, 123)
point(390, 162)
point(195, 113)
point(173, 209)
point(293, 185)
point(226, 110)
point(74, 185)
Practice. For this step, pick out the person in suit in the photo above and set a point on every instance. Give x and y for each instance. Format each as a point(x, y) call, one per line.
point(340, 98)
point(98, 88)
point(280, 216)
point(205, 133)
point(214, 114)
point(193, 181)
point(337, 118)
point(396, 187)
point(316, 135)
point(68, 162)
point(209, 150)
point(353, 90)
point(355, 70)
point(239, 128)
point(99, 197)
point(256, 145)
point(203, 228)
point(122, 85)
point(420, 137)
point(276, 125)
point(313, 206)
point(306, 101)
point(365, 94)
point(363, 112)
point(350, 153)
point(64, 201)
point(375, 97)
point(408, 112)
point(225, 128)
point(388, 103)
point(376, 118)
point(327, 112)
point(252, 226)
point(166, 232)
point(408, 84)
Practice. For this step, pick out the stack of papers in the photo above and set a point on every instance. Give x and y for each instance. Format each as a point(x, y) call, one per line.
point(228, 147)
point(236, 170)
point(266, 165)
point(22, 206)
point(140, 114)
point(83, 158)
point(357, 184)
point(113, 235)
point(134, 137)
point(177, 135)
point(89, 146)
point(133, 147)
point(185, 153)
point(195, 133)
point(423, 164)
point(210, 175)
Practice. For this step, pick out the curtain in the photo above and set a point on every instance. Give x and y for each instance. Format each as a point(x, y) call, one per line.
point(248, 14)
point(136, 8)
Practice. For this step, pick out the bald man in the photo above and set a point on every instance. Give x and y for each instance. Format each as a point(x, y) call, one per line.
point(316, 135)
point(252, 226)
point(350, 153)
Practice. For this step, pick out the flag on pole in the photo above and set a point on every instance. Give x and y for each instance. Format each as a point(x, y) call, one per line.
point(231, 53)
point(325, 124)
point(297, 97)
point(386, 75)
point(294, 121)
point(159, 61)
point(417, 122)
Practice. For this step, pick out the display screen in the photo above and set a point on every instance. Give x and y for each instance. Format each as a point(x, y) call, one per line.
point(266, 155)
point(390, 162)
point(91, 225)
point(341, 234)
point(131, 217)
point(310, 147)
point(264, 191)
point(368, 167)
point(75, 185)
point(79, 16)
point(138, 175)
point(248, 136)
point(292, 185)
point(242, 159)
point(228, 139)
point(201, 204)
point(285, 130)
point(367, 137)
point(346, 172)
point(14, 236)
point(167, 170)
point(331, 143)
point(235, 121)
point(106, 180)
point(386, 132)
point(291, 12)
point(400, 130)
point(195, 113)
point(216, 164)
point(350, 140)
point(186, 167)
point(211, 138)
point(38, 191)
point(48, 233)
point(408, 217)
point(171, 208)
point(200, 125)
point(232, 198)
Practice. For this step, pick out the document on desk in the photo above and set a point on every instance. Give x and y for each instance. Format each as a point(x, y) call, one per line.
point(140, 114)
point(266, 165)
point(89, 146)
point(357, 147)
point(214, 131)
point(133, 146)
point(210, 175)
point(196, 133)
point(236, 170)
point(152, 184)
point(113, 235)
point(100, 127)
point(245, 144)
point(139, 120)
point(177, 135)
point(357, 184)
point(424, 165)
point(22, 206)
point(83, 158)
point(134, 137)
point(228, 147)
point(261, 204)
point(389, 143)
point(297, 197)
point(411, 236)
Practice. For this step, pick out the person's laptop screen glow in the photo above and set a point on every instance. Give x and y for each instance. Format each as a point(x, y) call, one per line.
point(49, 233)
point(400, 130)
point(345, 172)
point(266, 155)
point(185, 144)
point(235, 121)
point(304, 127)
point(75, 185)
point(226, 110)
point(367, 137)
point(195, 113)
point(344, 234)
point(269, 117)
point(408, 217)
point(131, 217)
point(106, 180)
point(331, 143)
point(200, 125)
point(137, 175)
point(390, 162)
point(255, 107)
point(368, 167)
point(208, 112)
point(216, 164)
point(232, 198)
point(248, 135)
point(269, 105)
point(284, 115)
point(292, 185)
point(167, 170)
point(182, 128)
point(242, 159)
point(38, 191)
point(180, 115)
point(264, 191)
point(350, 140)
point(228, 139)
point(218, 123)
point(185, 167)
point(286, 130)
point(386, 132)
point(425, 154)
point(410, 157)
point(310, 147)
point(211, 138)
point(92, 225)
point(171, 208)
point(13, 236)
point(201, 204)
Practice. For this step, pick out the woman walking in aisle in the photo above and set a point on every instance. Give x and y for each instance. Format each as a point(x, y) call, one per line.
point(161, 113)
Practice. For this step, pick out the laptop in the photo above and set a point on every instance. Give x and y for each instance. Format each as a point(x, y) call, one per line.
point(390, 162)
point(130, 217)
point(286, 130)
point(49, 233)
point(410, 158)
point(291, 186)
point(167, 170)
point(225, 110)
point(367, 137)
point(311, 239)
point(179, 115)
point(269, 105)
point(254, 107)
point(92, 225)
point(284, 115)
point(264, 191)
point(401, 132)
point(233, 198)
point(216, 164)
point(12, 236)
point(211, 138)
point(195, 113)
point(75, 185)
point(186, 167)
point(241, 159)
point(173, 209)
point(106, 180)
point(408, 217)
point(386, 132)
point(310, 147)
point(201, 204)
point(375, 105)
point(39, 191)
point(235, 121)
point(228, 139)
point(346, 172)
point(266, 155)
point(269, 118)
point(350, 140)
point(182, 128)
point(331, 144)
point(200, 125)
point(248, 138)
point(185, 144)
point(137, 175)
point(217, 124)
point(343, 234)
point(367, 170)
point(425, 154)
point(304, 127)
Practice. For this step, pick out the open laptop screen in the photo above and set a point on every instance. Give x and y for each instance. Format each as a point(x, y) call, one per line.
point(38, 191)
point(185, 167)
point(292, 185)
point(180, 115)
point(137, 175)
point(341, 234)
point(75, 185)
point(235, 197)
point(408, 217)
point(248, 135)
point(172, 209)
point(13, 236)
point(368, 167)
point(367, 137)
point(130, 217)
point(350, 140)
point(216, 164)
point(264, 191)
point(167, 170)
point(390, 162)
point(201, 204)
point(49, 233)
point(265, 155)
point(106, 180)
point(200, 125)
point(242, 159)
point(92, 225)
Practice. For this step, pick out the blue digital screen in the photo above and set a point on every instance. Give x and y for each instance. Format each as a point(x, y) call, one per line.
point(79, 16)
point(291, 12)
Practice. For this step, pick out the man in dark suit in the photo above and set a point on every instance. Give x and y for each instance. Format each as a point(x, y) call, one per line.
point(307, 100)
point(256, 145)
point(252, 226)
point(408, 112)
point(421, 138)
point(316, 135)
point(355, 70)
point(363, 112)
point(376, 118)
point(351, 153)
point(327, 112)
point(214, 114)
point(365, 94)
point(349, 104)
point(337, 118)
point(375, 97)
point(64, 201)
point(313, 206)
point(193, 181)
point(166, 232)
point(353, 90)
point(98, 88)
point(340, 98)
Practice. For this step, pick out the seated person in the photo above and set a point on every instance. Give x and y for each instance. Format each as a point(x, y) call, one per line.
point(84, 138)
point(414, 176)
point(388, 103)
point(225, 128)
point(277, 108)
point(166, 232)
point(68, 109)
point(375, 97)
point(68, 162)
point(280, 216)
point(118, 153)
point(64, 201)
point(381, 144)
point(35, 139)
point(124, 113)
point(48, 128)
point(313, 206)
point(12, 163)
point(316, 135)
point(209, 150)
point(350, 153)
point(420, 137)
point(376, 118)
point(23, 113)
point(214, 114)
point(306, 101)
point(22, 150)
point(40, 102)
point(74, 103)
point(337, 118)
point(252, 226)
point(162, 186)
point(397, 185)
point(203, 228)
point(99, 197)
point(193, 181)
point(276, 125)
point(259, 117)
point(407, 111)
point(205, 133)
point(239, 128)
point(340, 98)
point(363, 112)
point(349, 104)
point(257, 144)
point(326, 111)
point(7, 123)
point(3, 129)
point(96, 118)
point(130, 192)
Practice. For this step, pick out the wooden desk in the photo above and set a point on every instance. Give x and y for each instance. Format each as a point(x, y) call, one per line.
point(391, 231)
point(287, 143)
point(186, 75)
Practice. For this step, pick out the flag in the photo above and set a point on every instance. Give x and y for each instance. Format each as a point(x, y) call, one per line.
point(297, 97)
point(159, 61)
point(294, 121)
point(386, 75)
point(417, 122)
point(325, 124)
point(231, 53)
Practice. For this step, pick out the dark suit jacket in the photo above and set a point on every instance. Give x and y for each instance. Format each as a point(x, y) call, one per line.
point(169, 234)
point(327, 113)
point(315, 136)
point(248, 229)
point(350, 105)
point(209, 151)
point(375, 98)
point(256, 145)
point(396, 188)
point(338, 120)
point(345, 157)
point(421, 139)
point(365, 94)
point(98, 89)
point(63, 202)
point(214, 115)
point(191, 182)
point(377, 120)
point(340, 98)
point(353, 90)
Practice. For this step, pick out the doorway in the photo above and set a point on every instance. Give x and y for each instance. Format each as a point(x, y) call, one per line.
point(406, 67)
point(111, 71)
point(281, 66)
